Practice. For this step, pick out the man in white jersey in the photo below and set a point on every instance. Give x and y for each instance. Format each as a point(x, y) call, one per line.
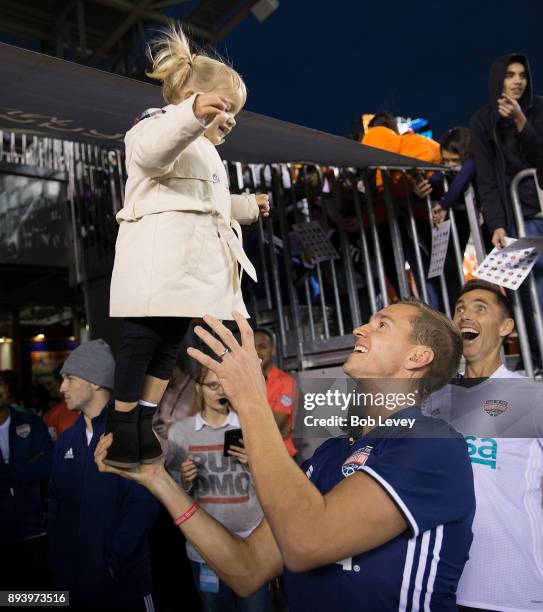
point(501, 424)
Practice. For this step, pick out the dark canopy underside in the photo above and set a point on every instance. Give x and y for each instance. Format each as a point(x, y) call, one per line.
point(50, 97)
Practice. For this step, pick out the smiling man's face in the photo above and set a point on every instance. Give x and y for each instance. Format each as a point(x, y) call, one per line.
point(483, 324)
point(382, 345)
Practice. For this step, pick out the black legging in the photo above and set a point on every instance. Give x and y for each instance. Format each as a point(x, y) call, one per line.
point(150, 345)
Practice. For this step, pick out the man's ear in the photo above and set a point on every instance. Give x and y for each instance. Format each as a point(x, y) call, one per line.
point(418, 357)
point(507, 326)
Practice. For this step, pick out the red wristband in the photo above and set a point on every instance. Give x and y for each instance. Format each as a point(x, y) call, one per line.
point(186, 515)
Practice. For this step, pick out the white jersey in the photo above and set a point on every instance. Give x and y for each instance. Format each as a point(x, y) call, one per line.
point(505, 568)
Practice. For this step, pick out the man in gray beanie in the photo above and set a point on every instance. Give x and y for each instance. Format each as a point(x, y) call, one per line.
point(98, 524)
point(93, 362)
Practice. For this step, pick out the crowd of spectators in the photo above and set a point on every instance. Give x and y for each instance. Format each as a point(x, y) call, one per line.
point(505, 136)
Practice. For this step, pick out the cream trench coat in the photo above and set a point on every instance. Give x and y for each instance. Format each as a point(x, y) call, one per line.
point(179, 241)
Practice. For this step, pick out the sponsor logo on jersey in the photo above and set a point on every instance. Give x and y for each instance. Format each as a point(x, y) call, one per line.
point(356, 461)
point(483, 451)
point(23, 431)
point(495, 407)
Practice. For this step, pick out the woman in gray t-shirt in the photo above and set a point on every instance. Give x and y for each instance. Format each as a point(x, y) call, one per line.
point(222, 485)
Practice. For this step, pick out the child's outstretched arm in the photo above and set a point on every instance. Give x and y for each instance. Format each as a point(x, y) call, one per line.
point(156, 142)
point(247, 207)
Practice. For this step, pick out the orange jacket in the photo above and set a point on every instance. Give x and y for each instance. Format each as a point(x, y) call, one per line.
point(409, 144)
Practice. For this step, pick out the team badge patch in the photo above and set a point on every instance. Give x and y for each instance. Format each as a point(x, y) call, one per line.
point(495, 407)
point(286, 400)
point(23, 431)
point(356, 461)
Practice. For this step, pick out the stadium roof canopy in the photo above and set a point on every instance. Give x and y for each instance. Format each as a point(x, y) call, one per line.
point(55, 98)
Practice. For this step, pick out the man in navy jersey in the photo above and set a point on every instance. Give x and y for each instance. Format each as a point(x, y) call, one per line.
point(376, 522)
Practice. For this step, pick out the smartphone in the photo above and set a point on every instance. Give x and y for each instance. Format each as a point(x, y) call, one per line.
point(232, 437)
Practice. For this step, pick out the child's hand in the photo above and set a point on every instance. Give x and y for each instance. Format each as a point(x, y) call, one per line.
point(263, 201)
point(208, 106)
point(189, 471)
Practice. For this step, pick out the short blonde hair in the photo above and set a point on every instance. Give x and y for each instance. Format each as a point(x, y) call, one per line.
point(432, 328)
point(178, 67)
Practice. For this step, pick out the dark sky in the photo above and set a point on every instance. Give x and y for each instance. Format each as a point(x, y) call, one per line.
point(321, 63)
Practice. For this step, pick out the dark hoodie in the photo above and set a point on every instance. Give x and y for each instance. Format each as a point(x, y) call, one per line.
point(501, 152)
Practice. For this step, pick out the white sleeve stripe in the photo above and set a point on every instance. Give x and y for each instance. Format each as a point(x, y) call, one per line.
point(433, 568)
point(423, 559)
point(399, 501)
point(406, 579)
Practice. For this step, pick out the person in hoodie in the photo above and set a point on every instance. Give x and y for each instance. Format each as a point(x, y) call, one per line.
point(507, 137)
point(98, 523)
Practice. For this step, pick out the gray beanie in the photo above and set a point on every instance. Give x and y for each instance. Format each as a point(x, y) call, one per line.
point(92, 361)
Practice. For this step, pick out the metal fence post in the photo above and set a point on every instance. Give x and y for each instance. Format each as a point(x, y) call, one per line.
point(414, 231)
point(395, 236)
point(365, 250)
point(519, 219)
point(293, 296)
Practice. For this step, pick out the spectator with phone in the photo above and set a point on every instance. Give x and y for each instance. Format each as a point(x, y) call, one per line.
point(507, 136)
point(218, 476)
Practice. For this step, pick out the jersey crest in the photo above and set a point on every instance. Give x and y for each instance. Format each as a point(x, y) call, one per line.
point(495, 407)
point(356, 461)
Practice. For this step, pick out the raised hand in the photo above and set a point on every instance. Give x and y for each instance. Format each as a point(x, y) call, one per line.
point(239, 370)
point(210, 106)
point(509, 108)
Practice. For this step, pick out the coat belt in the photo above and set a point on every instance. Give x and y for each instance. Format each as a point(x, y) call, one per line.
point(234, 241)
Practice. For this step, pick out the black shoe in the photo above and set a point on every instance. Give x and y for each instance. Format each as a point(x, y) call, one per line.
point(124, 452)
point(150, 449)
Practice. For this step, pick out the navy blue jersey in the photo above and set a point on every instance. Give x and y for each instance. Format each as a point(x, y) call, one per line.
point(431, 481)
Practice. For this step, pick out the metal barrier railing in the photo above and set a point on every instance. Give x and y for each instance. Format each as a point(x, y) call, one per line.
point(312, 306)
point(521, 230)
point(315, 346)
point(95, 192)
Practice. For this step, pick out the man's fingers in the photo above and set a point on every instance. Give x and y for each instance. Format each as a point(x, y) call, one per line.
point(226, 336)
point(247, 335)
point(214, 343)
point(203, 359)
